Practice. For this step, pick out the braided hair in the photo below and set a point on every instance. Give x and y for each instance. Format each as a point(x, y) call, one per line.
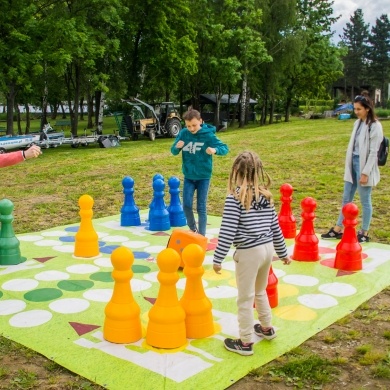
point(248, 179)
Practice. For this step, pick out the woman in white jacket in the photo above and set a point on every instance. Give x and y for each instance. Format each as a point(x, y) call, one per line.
point(361, 165)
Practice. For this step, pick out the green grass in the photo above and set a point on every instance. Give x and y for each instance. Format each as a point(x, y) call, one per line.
point(308, 154)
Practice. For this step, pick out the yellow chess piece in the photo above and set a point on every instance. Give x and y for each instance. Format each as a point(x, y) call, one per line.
point(86, 239)
point(166, 327)
point(198, 308)
point(122, 323)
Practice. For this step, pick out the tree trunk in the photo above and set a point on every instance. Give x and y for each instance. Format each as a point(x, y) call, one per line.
point(243, 101)
point(28, 119)
point(100, 115)
point(271, 110)
point(18, 119)
point(98, 95)
point(81, 108)
point(90, 111)
point(10, 96)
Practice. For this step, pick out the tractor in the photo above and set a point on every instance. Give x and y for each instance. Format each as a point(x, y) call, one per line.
point(161, 119)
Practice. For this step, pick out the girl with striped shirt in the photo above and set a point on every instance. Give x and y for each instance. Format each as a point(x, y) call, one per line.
point(250, 223)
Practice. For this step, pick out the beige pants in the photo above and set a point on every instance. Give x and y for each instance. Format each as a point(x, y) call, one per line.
point(252, 268)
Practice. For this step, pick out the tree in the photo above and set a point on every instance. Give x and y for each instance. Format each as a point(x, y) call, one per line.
point(379, 55)
point(20, 52)
point(355, 39)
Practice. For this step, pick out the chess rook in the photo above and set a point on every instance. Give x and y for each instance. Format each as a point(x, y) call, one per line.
point(286, 218)
point(166, 327)
point(158, 213)
point(129, 211)
point(306, 242)
point(175, 208)
point(86, 239)
point(349, 250)
point(198, 308)
point(122, 322)
point(9, 244)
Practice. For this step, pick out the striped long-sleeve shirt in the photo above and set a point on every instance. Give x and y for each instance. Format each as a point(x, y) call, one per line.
point(247, 229)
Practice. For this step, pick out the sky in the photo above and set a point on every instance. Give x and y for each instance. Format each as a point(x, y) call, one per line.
point(372, 10)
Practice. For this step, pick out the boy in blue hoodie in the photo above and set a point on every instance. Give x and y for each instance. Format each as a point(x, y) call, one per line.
point(197, 142)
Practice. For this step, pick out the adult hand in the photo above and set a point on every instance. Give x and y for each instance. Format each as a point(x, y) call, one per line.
point(217, 268)
point(32, 152)
point(180, 144)
point(210, 150)
point(363, 179)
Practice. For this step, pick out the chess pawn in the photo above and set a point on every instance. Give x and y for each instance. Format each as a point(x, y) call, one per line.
point(166, 327)
point(348, 250)
point(86, 239)
point(9, 244)
point(129, 211)
point(286, 219)
point(122, 322)
point(306, 242)
point(175, 208)
point(272, 288)
point(198, 308)
point(158, 213)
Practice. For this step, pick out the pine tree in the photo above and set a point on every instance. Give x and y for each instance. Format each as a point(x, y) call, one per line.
point(379, 55)
point(355, 38)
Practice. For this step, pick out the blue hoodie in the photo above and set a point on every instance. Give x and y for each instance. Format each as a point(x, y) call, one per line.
point(196, 163)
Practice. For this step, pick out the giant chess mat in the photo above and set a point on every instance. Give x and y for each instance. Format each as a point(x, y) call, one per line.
point(54, 304)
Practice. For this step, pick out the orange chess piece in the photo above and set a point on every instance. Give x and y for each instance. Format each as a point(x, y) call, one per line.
point(198, 308)
point(86, 239)
point(166, 327)
point(181, 238)
point(306, 242)
point(287, 221)
point(348, 250)
point(122, 323)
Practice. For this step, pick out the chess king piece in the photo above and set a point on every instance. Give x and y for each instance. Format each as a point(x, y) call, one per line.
point(349, 250)
point(86, 239)
point(129, 211)
point(9, 244)
point(272, 289)
point(180, 238)
point(175, 208)
point(306, 242)
point(287, 221)
point(166, 327)
point(158, 213)
point(198, 308)
point(122, 322)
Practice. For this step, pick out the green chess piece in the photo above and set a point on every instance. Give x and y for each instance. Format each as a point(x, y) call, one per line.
point(9, 244)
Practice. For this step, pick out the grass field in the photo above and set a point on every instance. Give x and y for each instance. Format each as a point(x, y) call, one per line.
point(308, 154)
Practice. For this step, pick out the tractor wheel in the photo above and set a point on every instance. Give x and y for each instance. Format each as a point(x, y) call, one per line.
point(152, 135)
point(75, 146)
point(134, 137)
point(174, 127)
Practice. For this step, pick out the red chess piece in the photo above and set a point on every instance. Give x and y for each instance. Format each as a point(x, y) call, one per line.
point(272, 289)
point(286, 219)
point(348, 250)
point(306, 242)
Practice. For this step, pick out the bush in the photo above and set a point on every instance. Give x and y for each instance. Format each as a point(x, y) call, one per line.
point(381, 113)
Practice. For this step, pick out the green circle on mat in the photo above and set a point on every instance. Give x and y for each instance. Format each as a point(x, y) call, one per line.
point(43, 295)
point(102, 277)
point(1, 294)
point(75, 285)
point(140, 269)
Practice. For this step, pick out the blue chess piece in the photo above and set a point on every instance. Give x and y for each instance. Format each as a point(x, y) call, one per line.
point(155, 177)
point(175, 208)
point(129, 211)
point(158, 213)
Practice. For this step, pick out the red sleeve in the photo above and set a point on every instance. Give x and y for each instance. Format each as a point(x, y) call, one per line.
point(7, 159)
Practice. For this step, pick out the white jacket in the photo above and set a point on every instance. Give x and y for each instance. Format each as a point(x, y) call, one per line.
point(369, 142)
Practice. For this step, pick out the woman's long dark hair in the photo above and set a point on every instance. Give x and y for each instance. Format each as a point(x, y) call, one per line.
point(365, 100)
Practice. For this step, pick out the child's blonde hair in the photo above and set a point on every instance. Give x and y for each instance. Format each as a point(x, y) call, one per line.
point(248, 180)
